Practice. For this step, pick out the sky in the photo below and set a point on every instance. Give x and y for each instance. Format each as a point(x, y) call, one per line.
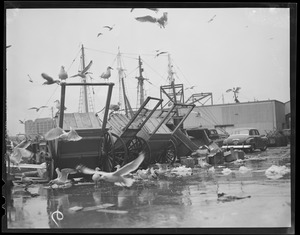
point(239, 47)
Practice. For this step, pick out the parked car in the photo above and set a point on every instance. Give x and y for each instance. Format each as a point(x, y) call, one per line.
point(247, 139)
point(213, 134)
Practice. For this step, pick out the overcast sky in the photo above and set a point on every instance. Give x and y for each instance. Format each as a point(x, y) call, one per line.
point(239, 47)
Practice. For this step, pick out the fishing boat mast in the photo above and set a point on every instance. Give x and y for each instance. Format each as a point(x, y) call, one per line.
point(85, 104)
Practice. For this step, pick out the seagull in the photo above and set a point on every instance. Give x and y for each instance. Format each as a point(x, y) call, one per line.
point(191, 87)
point(109, 27)
point(37, 109)
point(160, 53)
point(30, 79)
point(58, 105)
point(84, 71)
point(107, 74)
point(20, 152)
point(161, 21)
point(117, 177)
point(62, 74)
point(211, 19)
point(99, 34)
point(22, 122)
point(59, 133)
point(62, 177)
point(96, 177)
point(113, 107)
point(49, 80)
point(152, 9)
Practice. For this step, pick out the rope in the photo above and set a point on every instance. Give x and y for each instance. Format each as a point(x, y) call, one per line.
point(59, 216)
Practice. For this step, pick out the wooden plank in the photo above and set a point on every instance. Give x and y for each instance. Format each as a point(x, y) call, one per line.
point(78, 121)
point(86, 121)
point(69, 120)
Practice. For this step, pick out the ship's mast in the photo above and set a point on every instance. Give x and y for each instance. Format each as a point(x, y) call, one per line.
point(140, 91)
point(127, 106)
point(84, 96)
point(171, 77)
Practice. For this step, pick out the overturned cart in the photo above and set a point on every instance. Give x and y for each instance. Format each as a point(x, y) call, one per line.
point(95, 146)
point(123, 133)
point(162, 136)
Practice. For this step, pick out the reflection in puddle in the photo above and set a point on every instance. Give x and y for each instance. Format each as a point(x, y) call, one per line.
point(183, 201)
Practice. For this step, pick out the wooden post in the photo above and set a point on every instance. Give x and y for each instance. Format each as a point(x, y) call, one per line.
point(62, 104)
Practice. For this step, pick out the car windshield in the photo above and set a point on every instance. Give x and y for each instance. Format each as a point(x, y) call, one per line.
point(241, 131)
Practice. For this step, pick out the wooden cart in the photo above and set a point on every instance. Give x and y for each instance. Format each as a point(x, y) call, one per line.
point(94, 148)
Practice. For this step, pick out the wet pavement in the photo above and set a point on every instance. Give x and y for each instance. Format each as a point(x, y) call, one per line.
point(204, 199)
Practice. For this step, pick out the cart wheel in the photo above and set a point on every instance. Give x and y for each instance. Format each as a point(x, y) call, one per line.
point(169, 155)
point(120, 151)
point(107, 153)
point(135, 146)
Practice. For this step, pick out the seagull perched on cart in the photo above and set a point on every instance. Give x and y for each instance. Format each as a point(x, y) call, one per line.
point(117, 177)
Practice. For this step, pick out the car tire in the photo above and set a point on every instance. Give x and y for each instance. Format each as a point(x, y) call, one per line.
point(264, 148)
point(252, 148)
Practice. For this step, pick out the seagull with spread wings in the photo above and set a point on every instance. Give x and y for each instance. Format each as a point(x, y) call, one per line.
point(59, 133)
point(109, 27)
point(161, 21)
point(38, 109)
point(62, 177)
point(211, 19)
point(49, 80)
point(117, 177)
point(84, 72)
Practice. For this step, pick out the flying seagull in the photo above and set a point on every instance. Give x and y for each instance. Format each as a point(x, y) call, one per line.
point(107, 74)
point(160, 53)
point(161, 21)
point(191, 87)
point(99, 34)
point(20, 152)
point(30, 79)
point(22, 122)
point(49, 80)
point(152, 9)
point(116, 177)
point(37, 109)
point(8, 46)
point(62, 74)
point(211, 19)
point(109, 27)
point(84, 72)
point(59, 133)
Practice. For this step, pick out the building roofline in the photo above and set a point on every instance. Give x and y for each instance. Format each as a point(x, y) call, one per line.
point(243, 103)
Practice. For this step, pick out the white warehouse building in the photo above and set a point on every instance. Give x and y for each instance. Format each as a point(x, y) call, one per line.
point(264, 115)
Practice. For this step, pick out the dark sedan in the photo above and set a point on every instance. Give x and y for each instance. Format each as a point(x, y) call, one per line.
point(246, 139)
